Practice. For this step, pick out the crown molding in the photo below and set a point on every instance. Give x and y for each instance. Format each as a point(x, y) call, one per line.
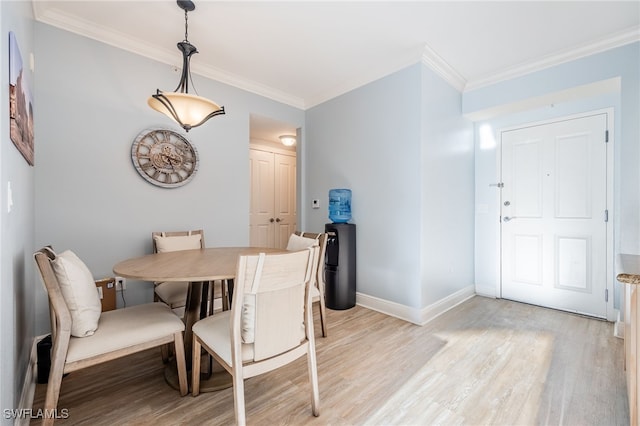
point(116, 39)
point(45, 14)
point(622, 38)
point(435, 62)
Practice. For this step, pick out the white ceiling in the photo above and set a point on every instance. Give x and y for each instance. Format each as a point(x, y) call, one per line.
point(303, 53)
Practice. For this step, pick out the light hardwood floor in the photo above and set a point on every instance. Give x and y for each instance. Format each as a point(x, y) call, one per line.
point(485, 362)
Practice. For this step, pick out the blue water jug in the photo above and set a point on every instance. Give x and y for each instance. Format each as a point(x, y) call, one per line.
point(340, 205)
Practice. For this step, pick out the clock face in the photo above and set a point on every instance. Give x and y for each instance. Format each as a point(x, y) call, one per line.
point(164, 158)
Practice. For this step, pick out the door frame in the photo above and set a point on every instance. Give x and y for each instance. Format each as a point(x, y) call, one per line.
point(610, 224)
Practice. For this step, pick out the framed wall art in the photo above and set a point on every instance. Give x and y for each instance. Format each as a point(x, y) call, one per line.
point(20, 104)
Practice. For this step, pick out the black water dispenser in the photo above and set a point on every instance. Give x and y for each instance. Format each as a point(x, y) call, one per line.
point(340, 266)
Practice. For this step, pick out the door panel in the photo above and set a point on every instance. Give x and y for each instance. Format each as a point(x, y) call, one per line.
point(285, 200)
point(261, 209)
point(526, 178)
point(554, 236)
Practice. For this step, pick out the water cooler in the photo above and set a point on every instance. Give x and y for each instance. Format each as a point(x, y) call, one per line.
point(340, 259)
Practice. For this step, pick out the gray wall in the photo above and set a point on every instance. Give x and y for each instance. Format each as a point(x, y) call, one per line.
point(401, 145)
point(16, 227)
point(368, 140)
point(447, 193)
point(92, 103)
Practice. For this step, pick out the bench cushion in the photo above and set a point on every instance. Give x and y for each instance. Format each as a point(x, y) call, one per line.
point(124, 328)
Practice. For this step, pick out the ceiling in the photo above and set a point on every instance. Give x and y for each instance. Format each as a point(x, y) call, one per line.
point(303, 53)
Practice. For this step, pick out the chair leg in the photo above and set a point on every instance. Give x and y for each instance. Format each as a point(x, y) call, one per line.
point(54, 382)
point(195, 366)
point(313, 379)
point(238, 398)
point(323, 317)
point(181, 363)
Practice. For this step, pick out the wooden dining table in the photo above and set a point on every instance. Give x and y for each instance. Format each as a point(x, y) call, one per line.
point(198, 267)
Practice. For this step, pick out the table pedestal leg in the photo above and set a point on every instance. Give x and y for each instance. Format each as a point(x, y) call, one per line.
point(196, 309)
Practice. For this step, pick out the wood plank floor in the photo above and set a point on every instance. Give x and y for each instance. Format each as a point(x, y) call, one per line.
point(485, 362)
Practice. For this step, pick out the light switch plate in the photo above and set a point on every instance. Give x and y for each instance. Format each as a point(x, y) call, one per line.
point(315, 204)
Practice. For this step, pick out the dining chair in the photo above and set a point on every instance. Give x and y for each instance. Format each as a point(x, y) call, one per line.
point(83, 336)
point(270, 323)
point(174, 294)
point(299, 240)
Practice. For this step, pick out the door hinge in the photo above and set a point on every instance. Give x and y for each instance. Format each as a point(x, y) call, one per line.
point(497, 185)
point(606, 215)
point(606, 295)
point(606, 136)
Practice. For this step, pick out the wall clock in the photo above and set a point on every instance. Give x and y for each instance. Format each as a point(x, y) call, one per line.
point(164, 157)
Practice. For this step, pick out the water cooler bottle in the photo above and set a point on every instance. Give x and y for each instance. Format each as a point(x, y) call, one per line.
point(340, 260)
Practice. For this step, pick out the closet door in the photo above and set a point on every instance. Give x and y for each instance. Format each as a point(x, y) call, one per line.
point(261, 205)
point(284, 198)
point(272, 214)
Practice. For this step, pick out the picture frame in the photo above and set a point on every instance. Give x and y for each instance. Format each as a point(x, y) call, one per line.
point(20, 104)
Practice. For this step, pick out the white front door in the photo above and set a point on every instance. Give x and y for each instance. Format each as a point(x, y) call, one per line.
point(553, 215)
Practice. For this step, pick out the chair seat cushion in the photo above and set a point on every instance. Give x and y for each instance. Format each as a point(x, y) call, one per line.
point(215, 330)
point(172, 293)
point(122, 328)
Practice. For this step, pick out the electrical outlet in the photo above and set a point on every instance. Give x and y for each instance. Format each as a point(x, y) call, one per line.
point(121, 284)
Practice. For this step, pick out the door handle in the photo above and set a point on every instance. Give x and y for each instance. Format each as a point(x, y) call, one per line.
point(271, 220)
point(507, 218)
point(278, 220)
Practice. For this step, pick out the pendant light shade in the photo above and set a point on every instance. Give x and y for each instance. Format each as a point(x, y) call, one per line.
point(188, 110)
point(185, 109)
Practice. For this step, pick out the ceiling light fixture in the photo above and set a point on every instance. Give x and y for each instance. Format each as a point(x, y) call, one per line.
point(186, 109)
point(288, 140)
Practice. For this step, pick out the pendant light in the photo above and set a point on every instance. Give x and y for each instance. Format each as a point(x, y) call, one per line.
point(186, 109)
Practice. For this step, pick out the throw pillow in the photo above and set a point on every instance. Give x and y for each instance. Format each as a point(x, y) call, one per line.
point(186, 242)
point(79, 292)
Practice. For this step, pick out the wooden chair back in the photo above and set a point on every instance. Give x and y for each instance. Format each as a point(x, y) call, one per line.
point(277, 287)
point(319, 275)
point(319, 280)
point(60, 316)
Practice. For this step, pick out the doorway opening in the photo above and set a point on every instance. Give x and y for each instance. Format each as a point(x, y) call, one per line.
point(273, 215)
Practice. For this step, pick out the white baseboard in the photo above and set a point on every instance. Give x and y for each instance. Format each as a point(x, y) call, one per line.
point(29, 385)
point(415, 315)
point(443, 305)
point(386, 307)
point(486, 290)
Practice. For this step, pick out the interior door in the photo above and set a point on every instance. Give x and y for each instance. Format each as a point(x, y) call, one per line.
point(284, 198)
point(261, 205)
point(272, 214)
point(554, 213)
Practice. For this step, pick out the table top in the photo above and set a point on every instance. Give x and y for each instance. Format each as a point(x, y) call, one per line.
point(628, 266)
point(207, 264)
